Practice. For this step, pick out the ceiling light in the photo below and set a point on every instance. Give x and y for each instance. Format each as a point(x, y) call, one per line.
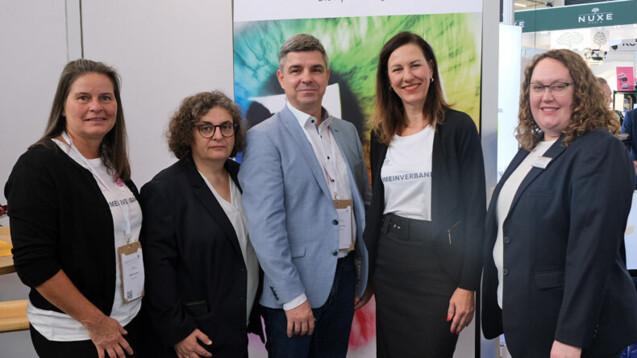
point(520, 5)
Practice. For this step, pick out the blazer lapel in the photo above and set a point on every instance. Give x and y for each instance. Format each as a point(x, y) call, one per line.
point(515, 162)
point(553, 152)
point(338, 137)
point(292, 127)
point(210, 203)
point(354, 185)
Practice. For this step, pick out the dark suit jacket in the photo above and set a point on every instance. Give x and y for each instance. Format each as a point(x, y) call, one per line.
point(564, 278)
point(192, 254)
point(458, 201)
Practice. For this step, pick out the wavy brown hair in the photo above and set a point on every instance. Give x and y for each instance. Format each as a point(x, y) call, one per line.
point(181, 129)
point(390, 113)
point(113, 150)
point(590, 105)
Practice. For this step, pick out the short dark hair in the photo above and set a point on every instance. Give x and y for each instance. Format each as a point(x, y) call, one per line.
point(182, 123)
point(113, 150)
point(301, 43)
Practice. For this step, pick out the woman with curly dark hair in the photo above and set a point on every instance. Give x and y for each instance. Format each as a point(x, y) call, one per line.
point(554, 279)
point(202, 272)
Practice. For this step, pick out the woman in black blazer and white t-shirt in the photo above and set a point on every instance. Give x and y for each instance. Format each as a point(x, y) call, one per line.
point(424, 228)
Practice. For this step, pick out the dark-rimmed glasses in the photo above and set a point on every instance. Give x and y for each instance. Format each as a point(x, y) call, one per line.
point(207, 130)
point(555, 88)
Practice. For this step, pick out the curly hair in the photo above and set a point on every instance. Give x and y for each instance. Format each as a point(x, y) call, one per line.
point(589, 109)
point(113, 148)
point(181, 128)
point(390, 113)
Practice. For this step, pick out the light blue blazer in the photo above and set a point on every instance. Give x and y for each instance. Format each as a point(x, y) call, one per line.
point(292, 221)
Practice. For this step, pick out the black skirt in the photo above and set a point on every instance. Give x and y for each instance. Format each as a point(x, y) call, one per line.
point(412, 292)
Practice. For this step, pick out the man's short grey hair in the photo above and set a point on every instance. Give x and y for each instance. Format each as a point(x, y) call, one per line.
point(301, 43)
point(602, 81)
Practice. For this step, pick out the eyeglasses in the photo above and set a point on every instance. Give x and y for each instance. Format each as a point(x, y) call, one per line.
point(556, 88)
point(207, 130)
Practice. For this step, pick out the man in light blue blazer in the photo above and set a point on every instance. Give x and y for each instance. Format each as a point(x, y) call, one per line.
point(304, 182)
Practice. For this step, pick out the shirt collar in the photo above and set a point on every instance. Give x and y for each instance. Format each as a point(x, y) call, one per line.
point(304, 118)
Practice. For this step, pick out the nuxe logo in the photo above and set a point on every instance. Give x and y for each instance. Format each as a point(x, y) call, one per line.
point(595, 17)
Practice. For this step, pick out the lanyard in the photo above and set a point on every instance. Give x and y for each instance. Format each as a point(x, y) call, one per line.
point(122, 206)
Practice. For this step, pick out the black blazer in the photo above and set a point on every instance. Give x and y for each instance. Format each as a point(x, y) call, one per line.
point(564, 277)
point(192, 254)
point(458, 202)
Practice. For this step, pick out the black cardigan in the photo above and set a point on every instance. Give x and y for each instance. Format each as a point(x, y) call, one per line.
point(60, 220)
point(458, 202)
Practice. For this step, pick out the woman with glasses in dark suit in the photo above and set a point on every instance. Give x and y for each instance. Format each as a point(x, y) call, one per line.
point(202, 272)
point(554, 278)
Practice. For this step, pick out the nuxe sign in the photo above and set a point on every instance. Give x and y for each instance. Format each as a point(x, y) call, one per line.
point(595, 17)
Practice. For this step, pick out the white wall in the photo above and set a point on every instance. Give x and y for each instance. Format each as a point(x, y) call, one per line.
point(164, 51)
point(32, 58)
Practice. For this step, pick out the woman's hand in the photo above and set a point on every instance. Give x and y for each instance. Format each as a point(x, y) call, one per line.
point(106, 333)
point(108, 336)
point(562, 350)
point(190, 348)
point(461, 308)
point(359, 302)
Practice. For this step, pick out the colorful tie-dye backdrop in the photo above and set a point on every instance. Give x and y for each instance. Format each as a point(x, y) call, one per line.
point(353, 45)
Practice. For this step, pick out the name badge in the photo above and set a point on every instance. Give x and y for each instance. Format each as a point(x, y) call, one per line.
point(345, 224)
point(542, 162)
point(131, 265)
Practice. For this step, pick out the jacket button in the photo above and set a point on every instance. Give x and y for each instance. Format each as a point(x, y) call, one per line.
point(505, 272)
point(335, 222)
point(335, 252)
point(507, 240)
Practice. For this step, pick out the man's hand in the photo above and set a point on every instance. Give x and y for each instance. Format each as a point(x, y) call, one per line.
point(300, 320)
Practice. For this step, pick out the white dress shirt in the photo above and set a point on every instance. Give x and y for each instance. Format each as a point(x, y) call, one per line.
point(331, 161)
